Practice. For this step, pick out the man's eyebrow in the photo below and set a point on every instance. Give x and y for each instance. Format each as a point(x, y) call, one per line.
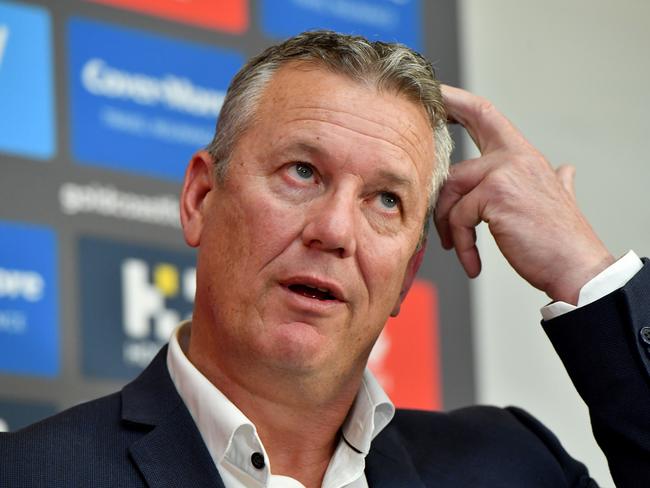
point(395, 179)
point(305, 148)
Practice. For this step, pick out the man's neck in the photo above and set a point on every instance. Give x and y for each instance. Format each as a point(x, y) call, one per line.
point(297, 419)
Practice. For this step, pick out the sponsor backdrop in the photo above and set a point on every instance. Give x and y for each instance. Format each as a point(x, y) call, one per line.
point(102, 103)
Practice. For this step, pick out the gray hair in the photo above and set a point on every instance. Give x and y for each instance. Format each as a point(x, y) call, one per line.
point(386, 66)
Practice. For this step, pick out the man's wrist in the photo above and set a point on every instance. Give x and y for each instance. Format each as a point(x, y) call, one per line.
point(610, 279)
point(576, 273)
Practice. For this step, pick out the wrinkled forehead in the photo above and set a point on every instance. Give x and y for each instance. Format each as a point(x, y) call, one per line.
point(308, 87)
point(289, 70)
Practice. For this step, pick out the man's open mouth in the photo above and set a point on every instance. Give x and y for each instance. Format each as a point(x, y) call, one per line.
point(312, 292)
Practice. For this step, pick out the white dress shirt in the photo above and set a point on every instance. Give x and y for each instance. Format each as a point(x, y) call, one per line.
point(232, 440)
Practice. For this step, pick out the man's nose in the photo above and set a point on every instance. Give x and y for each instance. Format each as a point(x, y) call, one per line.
point(330, 225)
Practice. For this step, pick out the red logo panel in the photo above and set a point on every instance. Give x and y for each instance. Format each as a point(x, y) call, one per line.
point(226, 15)
point(405, 358)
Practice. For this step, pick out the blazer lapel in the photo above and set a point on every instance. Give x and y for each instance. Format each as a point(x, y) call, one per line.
point(172, 452)
point(389, 465)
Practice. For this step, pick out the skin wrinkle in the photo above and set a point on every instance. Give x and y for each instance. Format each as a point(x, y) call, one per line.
point(408, 128)
point(383, 224)
point(296, 138)
point(385, 180)
point(335, 114)
point(317, 149)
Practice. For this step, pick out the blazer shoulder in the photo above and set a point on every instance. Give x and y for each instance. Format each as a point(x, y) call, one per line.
point(95, 443)
point(495, 441)
point(77, 428)
point(477, 425)
point(72, 445)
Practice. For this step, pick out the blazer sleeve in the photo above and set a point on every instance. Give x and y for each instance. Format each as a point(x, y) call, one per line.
point(603, 347)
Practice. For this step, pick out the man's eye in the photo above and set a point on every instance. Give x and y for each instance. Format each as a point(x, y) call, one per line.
point(389, 200)
point(304, 171)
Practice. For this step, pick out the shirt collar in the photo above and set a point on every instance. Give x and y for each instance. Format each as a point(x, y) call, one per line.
point(371, 411)
point(222, 424)
point(223, 427)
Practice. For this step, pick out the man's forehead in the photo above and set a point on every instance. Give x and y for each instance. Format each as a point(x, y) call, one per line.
point(315, 84)
point(301, 89)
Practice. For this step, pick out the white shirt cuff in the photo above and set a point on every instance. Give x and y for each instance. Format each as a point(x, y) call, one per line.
point(608, 280)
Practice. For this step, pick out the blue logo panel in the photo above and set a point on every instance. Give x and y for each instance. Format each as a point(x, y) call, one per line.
point(29, 315)
point(15, 415)
point(141, 102)
point(385, 20)
point(26, 85)
point(132, 298)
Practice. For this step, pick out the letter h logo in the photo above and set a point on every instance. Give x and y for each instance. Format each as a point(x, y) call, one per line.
point(143, 301)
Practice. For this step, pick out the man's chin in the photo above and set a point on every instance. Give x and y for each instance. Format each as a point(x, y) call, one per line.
point(298, 347)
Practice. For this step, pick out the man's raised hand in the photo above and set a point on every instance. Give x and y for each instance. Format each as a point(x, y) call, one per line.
point(530, 208)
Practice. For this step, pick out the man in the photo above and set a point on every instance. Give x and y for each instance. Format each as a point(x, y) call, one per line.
point(309, 211)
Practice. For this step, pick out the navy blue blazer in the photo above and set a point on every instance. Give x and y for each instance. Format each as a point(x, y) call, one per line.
point(145, 436)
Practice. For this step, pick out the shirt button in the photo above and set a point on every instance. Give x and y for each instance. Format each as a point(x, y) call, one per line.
point(257, 459)
point(645, 334)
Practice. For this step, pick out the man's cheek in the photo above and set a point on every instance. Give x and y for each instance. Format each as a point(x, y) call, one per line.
point(277, 227)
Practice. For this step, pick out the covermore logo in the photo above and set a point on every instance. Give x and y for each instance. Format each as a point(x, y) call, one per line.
point(132, 297)
point(26, 100)
point(388, 20)
point(226, 15)
point(29, 331)
point(141, 102)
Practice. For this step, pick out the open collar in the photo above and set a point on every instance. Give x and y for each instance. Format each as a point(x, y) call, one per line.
point(171, 451)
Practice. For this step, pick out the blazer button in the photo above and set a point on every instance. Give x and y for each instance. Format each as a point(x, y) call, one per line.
point(257, 459)
point(645, 334)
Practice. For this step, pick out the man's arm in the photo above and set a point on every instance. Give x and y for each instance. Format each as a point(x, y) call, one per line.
point(603, 347)
point(532, 213)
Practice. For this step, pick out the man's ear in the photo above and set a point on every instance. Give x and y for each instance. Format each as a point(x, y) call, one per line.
point(411, 270)
point(197, 185)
